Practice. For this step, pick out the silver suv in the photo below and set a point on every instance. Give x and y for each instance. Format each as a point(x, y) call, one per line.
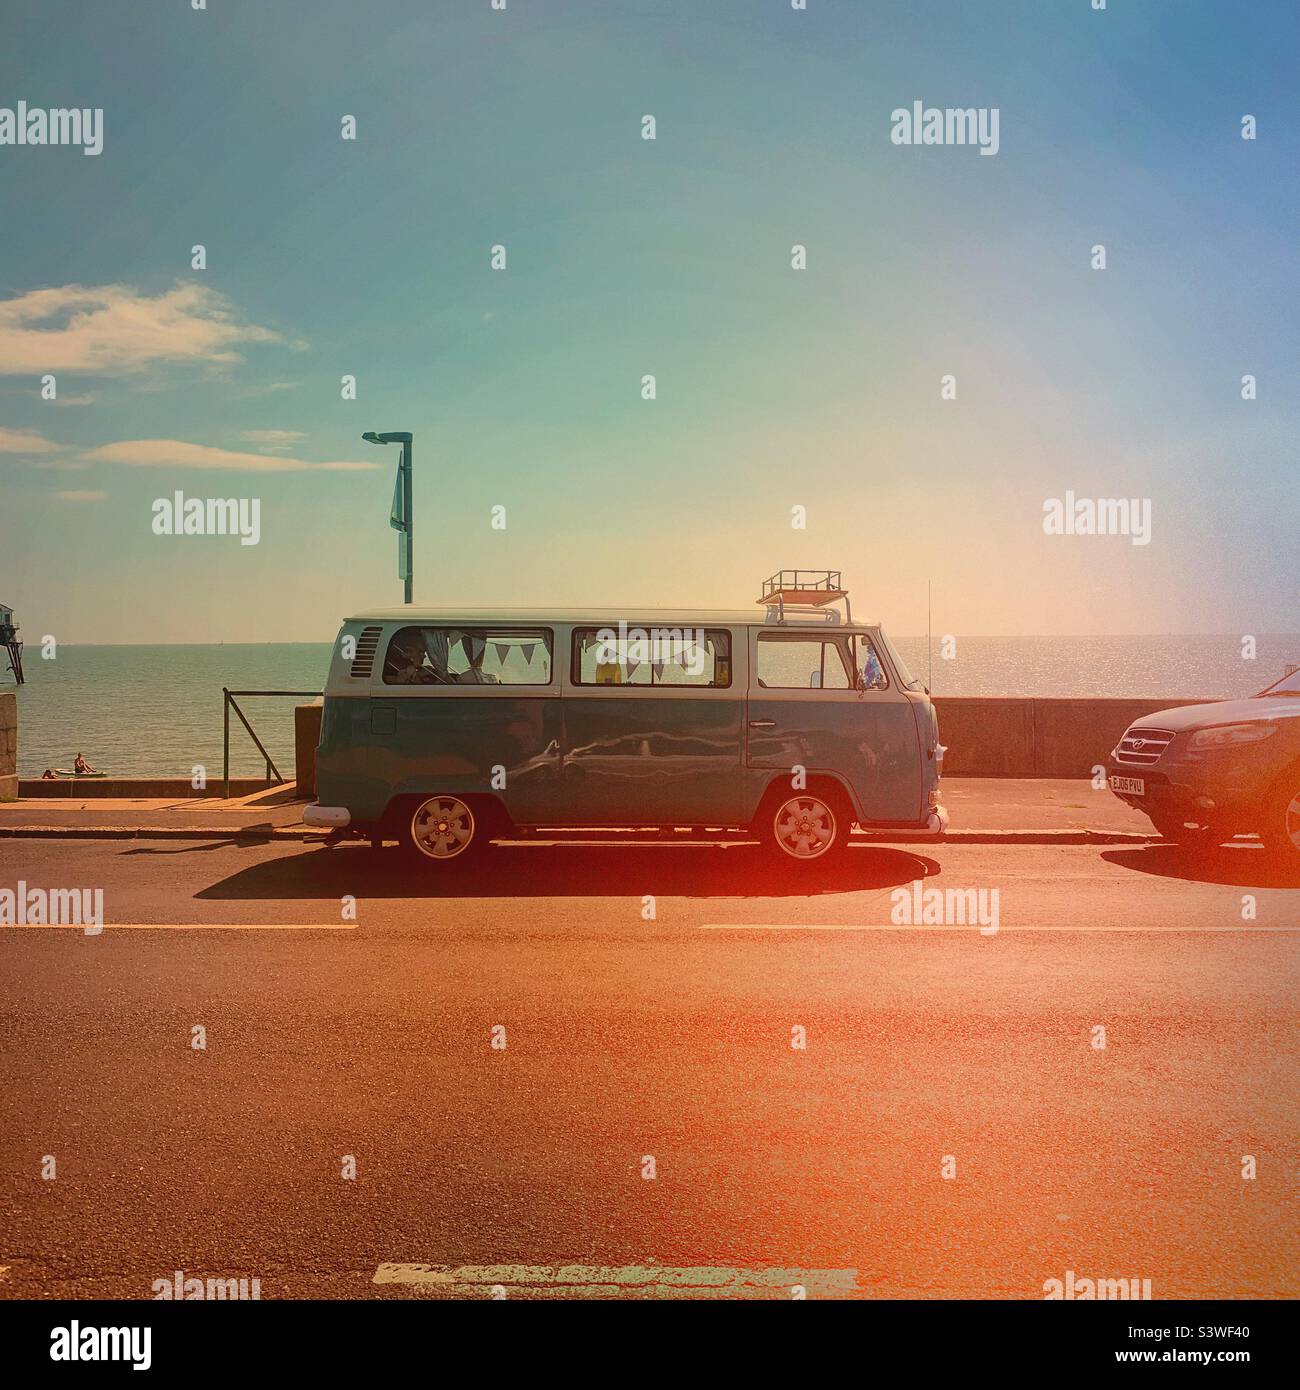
point(1204, 773)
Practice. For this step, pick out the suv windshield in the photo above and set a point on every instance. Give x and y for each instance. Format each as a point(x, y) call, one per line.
point(1288, 685)
point(905, 677)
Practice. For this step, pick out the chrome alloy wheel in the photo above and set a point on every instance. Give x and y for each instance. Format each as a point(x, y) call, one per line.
point(805, 827)
point(442, 827)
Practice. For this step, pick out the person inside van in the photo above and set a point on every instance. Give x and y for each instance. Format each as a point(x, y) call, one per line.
point(405, 663)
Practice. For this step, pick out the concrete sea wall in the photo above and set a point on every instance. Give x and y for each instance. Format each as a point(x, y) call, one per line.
point(1012, 737)
point(8, 746)
point(1002, 737)
point(151, 788)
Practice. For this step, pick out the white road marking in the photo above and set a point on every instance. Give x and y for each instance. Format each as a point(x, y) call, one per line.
point(975, 927)
point(657, 1280)
point(185, 926)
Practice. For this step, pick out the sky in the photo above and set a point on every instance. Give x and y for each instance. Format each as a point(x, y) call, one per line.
point(775, 389)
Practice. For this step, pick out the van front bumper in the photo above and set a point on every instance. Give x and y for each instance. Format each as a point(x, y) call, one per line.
point(933, 827)
point(332, 817)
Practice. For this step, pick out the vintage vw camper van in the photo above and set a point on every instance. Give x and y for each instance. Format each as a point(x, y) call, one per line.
point(445, 728)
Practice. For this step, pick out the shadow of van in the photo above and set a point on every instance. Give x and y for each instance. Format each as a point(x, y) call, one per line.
point(570, 871)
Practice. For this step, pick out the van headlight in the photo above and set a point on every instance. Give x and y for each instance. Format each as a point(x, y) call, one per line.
point(1227, 735)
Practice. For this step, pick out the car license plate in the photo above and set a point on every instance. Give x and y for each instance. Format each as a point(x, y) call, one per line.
point(1130, 786)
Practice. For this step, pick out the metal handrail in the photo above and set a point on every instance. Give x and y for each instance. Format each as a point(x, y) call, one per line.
point(228, 699)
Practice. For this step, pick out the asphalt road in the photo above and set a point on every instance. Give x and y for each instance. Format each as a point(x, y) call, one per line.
point(629, 1038)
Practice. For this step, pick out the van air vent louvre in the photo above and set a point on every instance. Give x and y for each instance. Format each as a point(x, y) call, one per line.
point(364, 660)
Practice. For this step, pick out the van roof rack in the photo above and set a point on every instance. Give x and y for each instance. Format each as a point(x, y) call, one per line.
point(805, 593)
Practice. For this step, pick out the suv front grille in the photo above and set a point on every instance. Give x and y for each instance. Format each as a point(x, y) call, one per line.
point(1142, 747)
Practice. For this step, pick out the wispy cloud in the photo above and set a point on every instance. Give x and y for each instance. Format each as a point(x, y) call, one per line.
point(115, 330)
point(176, 453)
point(25, 442)
point(273, 441)
point(81, 495)
point(267, 388)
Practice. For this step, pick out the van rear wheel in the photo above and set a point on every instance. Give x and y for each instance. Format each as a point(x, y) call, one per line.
point(443, 828)
point(808, 827)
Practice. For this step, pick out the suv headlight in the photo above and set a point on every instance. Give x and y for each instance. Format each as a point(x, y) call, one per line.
point(1226, 735)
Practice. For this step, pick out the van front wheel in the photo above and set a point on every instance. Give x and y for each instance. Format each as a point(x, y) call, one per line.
point(808, 827)
point(443, 828)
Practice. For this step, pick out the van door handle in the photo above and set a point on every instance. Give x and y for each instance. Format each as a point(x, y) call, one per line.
point(762, 723)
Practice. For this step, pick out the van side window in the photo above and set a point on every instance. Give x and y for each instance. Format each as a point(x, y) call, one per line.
point(468, 656)
point(801, 663)
point(656, 656)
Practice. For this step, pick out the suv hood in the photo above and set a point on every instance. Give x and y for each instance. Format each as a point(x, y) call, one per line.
point(1221, 712)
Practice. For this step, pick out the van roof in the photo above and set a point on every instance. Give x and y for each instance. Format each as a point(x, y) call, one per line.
point(661, 617)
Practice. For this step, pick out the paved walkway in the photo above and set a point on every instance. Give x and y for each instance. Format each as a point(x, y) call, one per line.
point(979, 806)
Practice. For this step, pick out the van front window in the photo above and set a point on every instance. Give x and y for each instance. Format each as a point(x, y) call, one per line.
point(787, 662)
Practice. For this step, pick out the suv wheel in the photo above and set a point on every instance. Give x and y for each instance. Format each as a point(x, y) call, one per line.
point(1282, 821)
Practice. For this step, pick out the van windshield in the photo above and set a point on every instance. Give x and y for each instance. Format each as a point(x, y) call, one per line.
point(905, 677)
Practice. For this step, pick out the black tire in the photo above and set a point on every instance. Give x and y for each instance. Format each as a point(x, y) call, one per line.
point(442, 830)
point(1281, 831)
point(805, 828)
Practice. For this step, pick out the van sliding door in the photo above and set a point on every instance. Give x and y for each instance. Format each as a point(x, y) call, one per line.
point(653, 733)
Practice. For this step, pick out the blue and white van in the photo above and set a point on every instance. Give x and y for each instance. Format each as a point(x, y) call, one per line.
point(446, 728)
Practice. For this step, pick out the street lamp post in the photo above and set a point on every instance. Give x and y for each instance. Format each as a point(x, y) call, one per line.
point(401, 518)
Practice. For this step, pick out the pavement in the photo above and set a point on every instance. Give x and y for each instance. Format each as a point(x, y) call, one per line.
point(277, 809)
point(952, 1126)
point(1019, 807)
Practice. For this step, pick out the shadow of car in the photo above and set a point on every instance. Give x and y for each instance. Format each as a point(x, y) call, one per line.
point(1240, 865)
